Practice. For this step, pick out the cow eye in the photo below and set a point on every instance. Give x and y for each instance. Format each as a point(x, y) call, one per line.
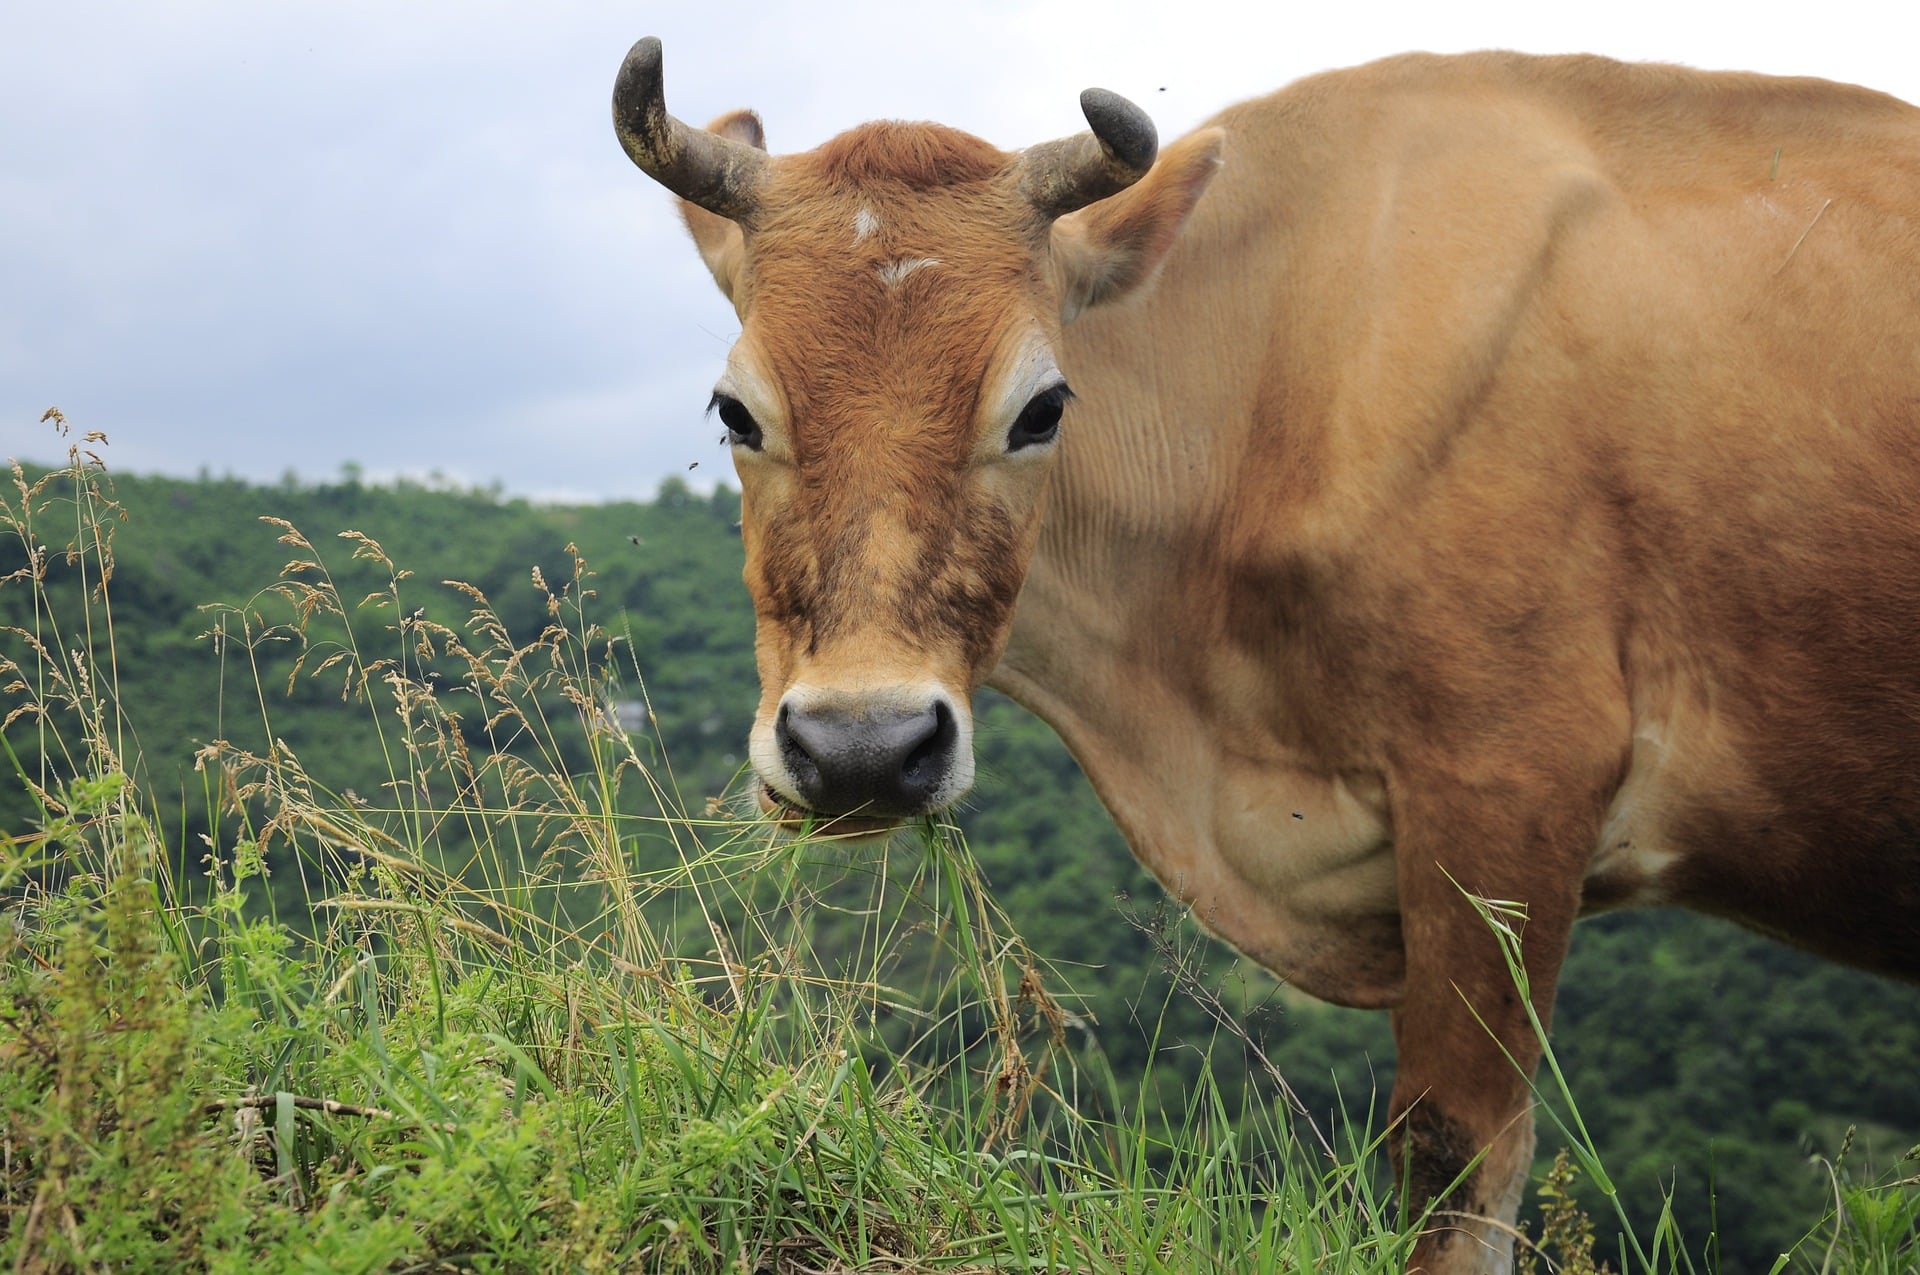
point(1039, 420)
point(742, 429)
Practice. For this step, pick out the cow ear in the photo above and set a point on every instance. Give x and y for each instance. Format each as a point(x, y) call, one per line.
point(1113, 248)
point(720, 241)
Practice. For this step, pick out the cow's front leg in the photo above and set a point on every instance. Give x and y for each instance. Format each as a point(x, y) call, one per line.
point(1466, 1048)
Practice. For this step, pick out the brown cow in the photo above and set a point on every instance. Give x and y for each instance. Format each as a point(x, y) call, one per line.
point(1505, 479)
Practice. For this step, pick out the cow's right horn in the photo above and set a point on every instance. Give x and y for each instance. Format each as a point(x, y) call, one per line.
point(1060, 176)
point(718, 173)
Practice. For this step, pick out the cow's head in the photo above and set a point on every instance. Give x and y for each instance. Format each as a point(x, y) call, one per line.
point(894, 405)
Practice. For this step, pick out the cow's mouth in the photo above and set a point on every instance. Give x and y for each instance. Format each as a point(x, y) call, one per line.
point(789, 816)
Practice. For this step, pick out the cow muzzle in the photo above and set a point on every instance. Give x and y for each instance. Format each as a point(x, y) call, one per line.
point(884, 755)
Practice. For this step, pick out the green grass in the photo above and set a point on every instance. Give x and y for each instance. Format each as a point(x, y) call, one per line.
point(526, 1010)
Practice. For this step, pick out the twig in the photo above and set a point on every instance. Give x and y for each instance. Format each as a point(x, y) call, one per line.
point(328, 1105)
point(261, 1102)
point(33, 1225)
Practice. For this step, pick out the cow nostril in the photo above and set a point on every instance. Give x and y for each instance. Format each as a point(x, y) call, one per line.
point(928, 761)
point(801, 763)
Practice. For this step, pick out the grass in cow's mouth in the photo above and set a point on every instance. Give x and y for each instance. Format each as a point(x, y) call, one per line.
point(517, 1015)
point(790, 817)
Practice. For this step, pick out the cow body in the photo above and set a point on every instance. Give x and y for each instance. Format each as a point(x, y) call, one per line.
point(1485, 441)
point(1505, 479)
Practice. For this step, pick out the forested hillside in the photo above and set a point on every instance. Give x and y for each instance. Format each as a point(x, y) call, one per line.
point(1707, 1062)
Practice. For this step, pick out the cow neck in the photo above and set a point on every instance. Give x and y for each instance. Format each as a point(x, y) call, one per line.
point(1096, 650)
point(1153, 452)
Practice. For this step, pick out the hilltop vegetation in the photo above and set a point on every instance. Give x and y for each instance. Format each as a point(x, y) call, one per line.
point(1708, 1063)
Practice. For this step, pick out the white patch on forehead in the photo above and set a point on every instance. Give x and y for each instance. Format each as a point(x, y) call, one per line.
point(864, 224)
point(894, 271)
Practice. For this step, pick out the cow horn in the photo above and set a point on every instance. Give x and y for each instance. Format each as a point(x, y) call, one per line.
point(720, 174)
point(1059, 176)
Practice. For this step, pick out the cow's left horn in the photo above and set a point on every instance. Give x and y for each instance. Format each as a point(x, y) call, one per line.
point(1059, 176)
point(718, 173)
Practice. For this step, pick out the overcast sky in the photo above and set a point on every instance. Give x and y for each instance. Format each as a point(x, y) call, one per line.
point(261, 237)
